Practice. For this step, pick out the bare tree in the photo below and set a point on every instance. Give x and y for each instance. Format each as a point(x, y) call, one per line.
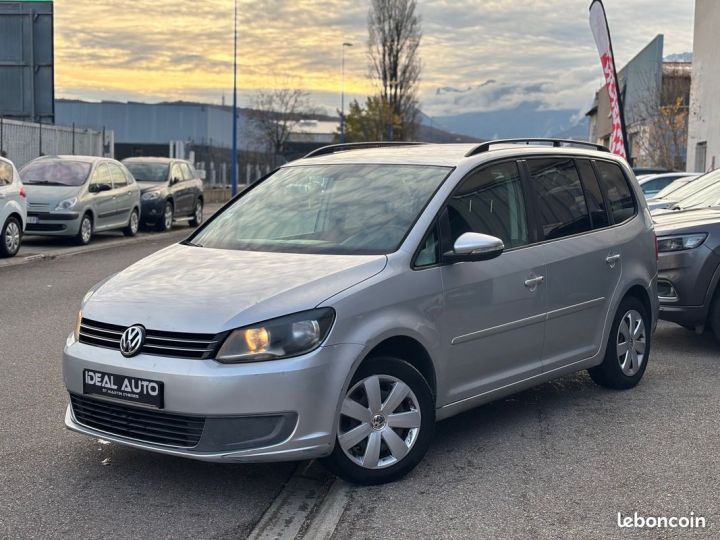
point(395, 32)
point(660, 120)
point(276, 114)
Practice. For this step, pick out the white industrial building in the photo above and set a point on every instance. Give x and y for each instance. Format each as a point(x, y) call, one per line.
point(704, 129)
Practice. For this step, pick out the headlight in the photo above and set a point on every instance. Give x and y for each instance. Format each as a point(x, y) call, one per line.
point(278, 338)
point(680, 242)
point(67, 204)
point(76, 331)
point(150, 195)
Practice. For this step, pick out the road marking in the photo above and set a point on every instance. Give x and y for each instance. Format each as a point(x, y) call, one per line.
point(309, 506)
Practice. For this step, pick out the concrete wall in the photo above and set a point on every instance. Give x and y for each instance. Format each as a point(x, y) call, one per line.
point(704, 95)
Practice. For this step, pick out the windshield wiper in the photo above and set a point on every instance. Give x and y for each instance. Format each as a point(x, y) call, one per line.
point(44, 183)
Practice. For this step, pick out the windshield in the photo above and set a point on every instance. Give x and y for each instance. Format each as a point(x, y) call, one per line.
point(148, 172)
point(707, 197)
point(344, 209)
point(695, 186)
point(55, 172)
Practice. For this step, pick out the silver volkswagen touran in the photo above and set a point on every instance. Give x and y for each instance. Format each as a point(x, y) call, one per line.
point(346, 302)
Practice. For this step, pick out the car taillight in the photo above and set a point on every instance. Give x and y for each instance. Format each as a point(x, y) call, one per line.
point(23, 193)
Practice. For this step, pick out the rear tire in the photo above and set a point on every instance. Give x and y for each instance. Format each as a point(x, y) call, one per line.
point(85, 233)
point(628, 348)
point(133, 224)
point(166, 220)
point(385, 425)
point(10, 237)
point(197, 217)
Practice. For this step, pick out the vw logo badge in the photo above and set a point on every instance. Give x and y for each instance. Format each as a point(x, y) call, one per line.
point(132, 340)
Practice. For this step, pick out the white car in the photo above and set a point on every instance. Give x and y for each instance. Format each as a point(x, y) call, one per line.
point(652, 184)
point(13, 209)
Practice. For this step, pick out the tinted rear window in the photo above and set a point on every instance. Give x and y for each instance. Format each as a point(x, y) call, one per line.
point(593, 195)
point(561, 201)
point(617, 191)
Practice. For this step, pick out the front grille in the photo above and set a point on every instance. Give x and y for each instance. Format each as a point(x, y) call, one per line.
point(38, 207)
point(45, 227)
point(136, 423)
point(175, 344)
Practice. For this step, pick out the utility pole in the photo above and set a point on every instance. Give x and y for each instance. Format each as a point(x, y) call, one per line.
point(233, 165)
point(342, 94)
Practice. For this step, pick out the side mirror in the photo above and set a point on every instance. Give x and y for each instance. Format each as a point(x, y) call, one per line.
point(97, 188)
point(174, 181)
point(474, 247)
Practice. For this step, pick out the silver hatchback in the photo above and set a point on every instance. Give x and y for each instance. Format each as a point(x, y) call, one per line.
point(341, 306)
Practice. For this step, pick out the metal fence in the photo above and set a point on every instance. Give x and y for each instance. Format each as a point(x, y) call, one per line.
point(24, 141)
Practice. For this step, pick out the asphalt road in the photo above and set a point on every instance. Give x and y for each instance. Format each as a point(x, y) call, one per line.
point(53, 483)
point(557, 461)
point(562, 459)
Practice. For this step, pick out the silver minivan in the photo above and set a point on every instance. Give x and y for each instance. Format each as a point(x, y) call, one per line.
point(346, 302)
point(13, 209)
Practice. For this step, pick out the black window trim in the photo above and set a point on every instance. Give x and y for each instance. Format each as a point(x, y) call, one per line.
point(583, 182)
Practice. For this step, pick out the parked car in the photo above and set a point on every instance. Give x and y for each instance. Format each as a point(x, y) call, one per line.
point(408, 284)
point(675, 185)
point(668, 200)
point(652, 184)
point(689, 267)
point(640, 171)
point(13, 209)
point(172, 190)
point(77, 196)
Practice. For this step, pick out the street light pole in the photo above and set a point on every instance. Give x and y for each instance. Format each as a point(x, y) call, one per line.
point(342, 94)
point(233, 165)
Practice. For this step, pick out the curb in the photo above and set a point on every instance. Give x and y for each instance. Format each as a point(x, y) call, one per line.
point(9, 263)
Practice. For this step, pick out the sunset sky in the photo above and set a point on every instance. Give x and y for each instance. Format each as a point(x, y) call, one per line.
point(155, 50)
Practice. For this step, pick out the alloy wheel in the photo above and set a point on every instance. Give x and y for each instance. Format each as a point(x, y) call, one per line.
point(168, 216)
point(379, 422)
point(12, 237)
point(631, 342)
point(198, 212)
point(86, 229)
point(134, 223)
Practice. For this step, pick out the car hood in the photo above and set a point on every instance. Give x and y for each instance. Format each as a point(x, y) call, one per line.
point(50, 194)
point(686, 220)
point(150, 186)
point(192, 289)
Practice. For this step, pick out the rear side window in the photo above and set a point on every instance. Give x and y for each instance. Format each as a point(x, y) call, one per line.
point(617, 190)
point(187, 171)
point(6, 173)
point(118, 176)
point(561, 201)
point(490, 201)
point(593, 195)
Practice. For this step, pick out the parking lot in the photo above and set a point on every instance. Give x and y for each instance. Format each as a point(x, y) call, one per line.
point(558, 461)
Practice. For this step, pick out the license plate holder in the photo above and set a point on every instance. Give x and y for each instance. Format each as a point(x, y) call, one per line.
point(32, 220)
point(131, 389)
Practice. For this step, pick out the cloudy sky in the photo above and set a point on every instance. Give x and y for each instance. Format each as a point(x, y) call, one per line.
point(477, 55)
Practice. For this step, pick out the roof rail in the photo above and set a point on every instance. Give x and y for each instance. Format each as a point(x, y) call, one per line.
point(332, 148)
point(555, 143)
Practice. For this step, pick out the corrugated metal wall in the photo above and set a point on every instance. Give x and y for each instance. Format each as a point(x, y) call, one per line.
point(26, 61)
point(24, 141)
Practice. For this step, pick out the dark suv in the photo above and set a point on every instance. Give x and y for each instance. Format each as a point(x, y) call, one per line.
point(689, 261)
point(171, 191)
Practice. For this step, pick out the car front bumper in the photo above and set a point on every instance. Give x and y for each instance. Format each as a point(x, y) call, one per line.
point(279, 410)
point(152, 210)
point(53, 223)
point(686, 281)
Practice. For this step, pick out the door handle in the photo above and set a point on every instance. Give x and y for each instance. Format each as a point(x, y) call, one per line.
point(533, 282)
point(612, 260)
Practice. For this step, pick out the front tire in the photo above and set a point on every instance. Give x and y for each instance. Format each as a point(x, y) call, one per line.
point(85, 233)
point(385, 424)
point(10, 237)
point(133, 224)
point(714, 317)
point(628, 348)
point(166, 220)
point(197, 217)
